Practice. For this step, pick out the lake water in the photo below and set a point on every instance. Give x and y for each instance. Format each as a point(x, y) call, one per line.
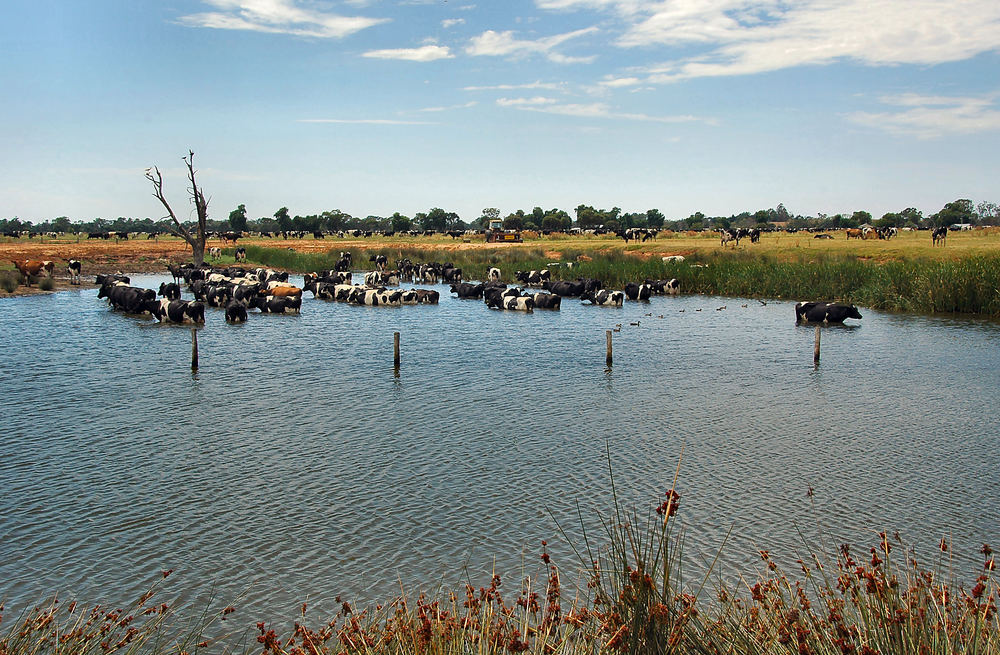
point(296, 465)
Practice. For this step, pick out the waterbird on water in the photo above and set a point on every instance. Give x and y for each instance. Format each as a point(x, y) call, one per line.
point(636, 323)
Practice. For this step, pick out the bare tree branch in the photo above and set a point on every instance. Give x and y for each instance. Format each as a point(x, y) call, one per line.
point(197, 240)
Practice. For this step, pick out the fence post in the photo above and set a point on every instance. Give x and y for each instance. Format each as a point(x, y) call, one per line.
point(608, 359)
point(395, 349)
point(816, 347)
point(194, 349)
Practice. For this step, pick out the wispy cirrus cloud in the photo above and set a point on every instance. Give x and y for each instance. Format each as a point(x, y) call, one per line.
point(466, 105)
point(363, 121)
point(452, 22)
point(525, 102)
point(928, 117)
point(423, 53)
point(504, 44)
point(589, 110)
point(746, 37)
point(277, 17)
point(551, 86)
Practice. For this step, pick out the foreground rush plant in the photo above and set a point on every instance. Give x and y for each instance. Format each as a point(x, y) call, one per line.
point(632, 599)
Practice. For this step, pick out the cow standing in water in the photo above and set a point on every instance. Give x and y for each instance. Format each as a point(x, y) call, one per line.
point(824, 312)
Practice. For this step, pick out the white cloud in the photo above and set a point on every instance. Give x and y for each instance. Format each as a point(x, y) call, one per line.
point(277, 17)
point(363, 121)
point(464, 106)
point(621, 82)
point(552, 86)
point(743, 37)
point(592, 110)
point(525, 102)
point(452, 22)
point(425, 53)
point(928, 117)
point(503, 44)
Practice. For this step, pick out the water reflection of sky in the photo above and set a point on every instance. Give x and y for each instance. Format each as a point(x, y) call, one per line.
point(296, 458)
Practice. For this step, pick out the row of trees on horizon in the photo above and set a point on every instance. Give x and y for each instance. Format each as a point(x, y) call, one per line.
point(962, 211)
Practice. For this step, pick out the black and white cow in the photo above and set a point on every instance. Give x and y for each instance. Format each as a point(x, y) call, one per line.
point(467, 290)
point(344, 263)
point(74, 268)
point(215, 252)
point(824, 312)
point(509, 299)
point(493, 275)
point(635, 291)
point(170, 290)
point(659, 287)
point(236, 312)
point(177, 311)
point(604, 298)
point(241, 254)
point(451, 274)
point(376, 297)
point(939, 234)
point(381, 261)
point(273, 305)
point(547, 301)
point(382, 278)
point(533, 278)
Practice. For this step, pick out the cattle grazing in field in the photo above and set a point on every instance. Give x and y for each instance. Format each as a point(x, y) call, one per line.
point(177, 311)
point(939, 234)
point(74, 268)
point(241, 254)
point(635, 291)
point(170, 290)
point(604, 298)
point(493, 275)
point(729, 235)
point(34, 268)
point(215, 252)
point(854, 233)
point(467, 290)
point(824, 312)
point(533, 278)
point(823, 236)
point(236, 312)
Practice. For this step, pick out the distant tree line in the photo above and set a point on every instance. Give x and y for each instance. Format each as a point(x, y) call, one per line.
point(961, 211)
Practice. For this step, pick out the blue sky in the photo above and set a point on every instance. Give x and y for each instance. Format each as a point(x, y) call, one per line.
point(377, 106)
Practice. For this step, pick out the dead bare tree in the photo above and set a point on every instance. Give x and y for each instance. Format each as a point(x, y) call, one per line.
point(196, 240)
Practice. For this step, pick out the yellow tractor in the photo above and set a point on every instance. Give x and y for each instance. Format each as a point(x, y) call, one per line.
point(496, 234)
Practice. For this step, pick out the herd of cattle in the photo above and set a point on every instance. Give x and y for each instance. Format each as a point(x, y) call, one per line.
point(237, 290)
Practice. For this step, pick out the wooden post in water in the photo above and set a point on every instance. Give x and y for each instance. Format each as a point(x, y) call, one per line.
point(816, 348)
point(608, 359)
point(194, 349)
point(395, 349)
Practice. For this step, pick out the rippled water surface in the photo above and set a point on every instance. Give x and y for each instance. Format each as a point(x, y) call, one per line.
point(296, 463)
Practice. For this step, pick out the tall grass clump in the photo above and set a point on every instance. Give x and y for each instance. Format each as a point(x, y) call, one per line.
point(9, 281)
point(142, 626)
point(46, 284)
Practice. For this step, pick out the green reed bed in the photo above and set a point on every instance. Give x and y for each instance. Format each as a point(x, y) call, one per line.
point(634, 597)
point(968, 285)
